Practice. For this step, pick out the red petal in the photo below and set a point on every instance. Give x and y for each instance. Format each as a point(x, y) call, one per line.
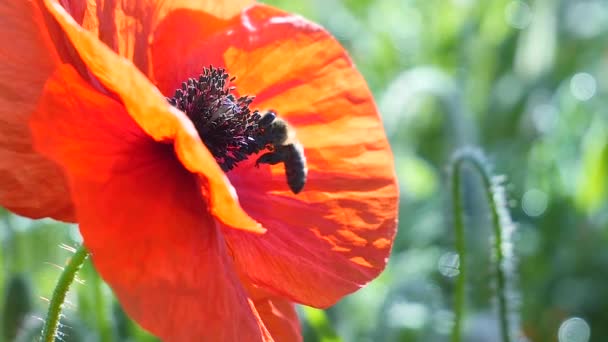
point(127, 26)
point(141, 217)
point(168, 49)
point(31, 185)
point(204, 40)
point(337, 234)
point(279, 315)
point(150, 110)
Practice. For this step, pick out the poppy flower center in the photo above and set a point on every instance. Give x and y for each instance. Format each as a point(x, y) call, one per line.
point(227, 126)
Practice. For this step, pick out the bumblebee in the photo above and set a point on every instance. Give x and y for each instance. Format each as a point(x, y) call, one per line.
point(280, 139)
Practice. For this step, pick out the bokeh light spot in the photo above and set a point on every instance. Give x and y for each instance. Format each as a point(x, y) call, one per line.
point(583, 86)
point(534, 202)
point(449, 264)
point(574, 330)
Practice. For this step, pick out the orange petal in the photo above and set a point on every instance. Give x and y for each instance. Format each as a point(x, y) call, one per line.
point(31, 185)
point(127, 26)
point(168, 49)
point(141, 217)
point(279, 315)
point(203, 40)
point(150, 110)
point(337, 234)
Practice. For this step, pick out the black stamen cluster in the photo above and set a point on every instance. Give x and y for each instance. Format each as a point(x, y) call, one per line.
point(229, 129)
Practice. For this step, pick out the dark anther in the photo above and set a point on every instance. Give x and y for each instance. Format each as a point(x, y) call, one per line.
point(228, 127)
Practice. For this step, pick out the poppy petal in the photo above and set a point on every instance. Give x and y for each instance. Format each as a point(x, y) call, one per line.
point(167, 51)
point(336, 235)
point(31, 185)
point(126, 26)
point(204, 40)
point(279, 315)
point(140, 215)
point(150, 110)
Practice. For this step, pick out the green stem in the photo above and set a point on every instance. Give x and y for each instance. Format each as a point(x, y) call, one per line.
point(477, 161)
point(459, 296)
point(61, 289)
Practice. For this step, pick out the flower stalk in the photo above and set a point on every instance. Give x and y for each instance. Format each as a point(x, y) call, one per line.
point(501, 228)
point(53, 316)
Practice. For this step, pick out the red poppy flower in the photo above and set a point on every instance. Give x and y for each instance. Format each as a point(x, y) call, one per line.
point(195, 240)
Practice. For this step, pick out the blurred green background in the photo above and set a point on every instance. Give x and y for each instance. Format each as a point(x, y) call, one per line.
point(525, 81)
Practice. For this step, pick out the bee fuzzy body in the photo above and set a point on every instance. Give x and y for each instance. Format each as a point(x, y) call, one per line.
point(286, 149)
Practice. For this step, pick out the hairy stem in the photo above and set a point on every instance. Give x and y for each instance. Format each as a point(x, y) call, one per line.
point(498, 210)
point(459, 295)
point(49, 332)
